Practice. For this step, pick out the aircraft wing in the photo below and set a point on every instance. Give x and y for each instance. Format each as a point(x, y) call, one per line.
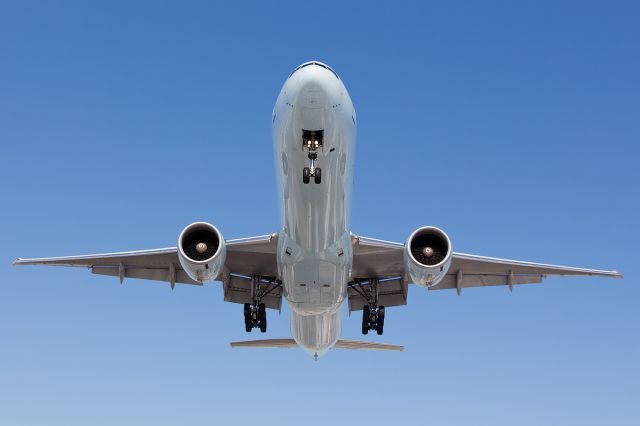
point(380, 259)
point(245, 257)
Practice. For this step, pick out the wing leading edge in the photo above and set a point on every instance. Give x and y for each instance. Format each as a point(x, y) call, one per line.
point(384, 260)
point(245, 257)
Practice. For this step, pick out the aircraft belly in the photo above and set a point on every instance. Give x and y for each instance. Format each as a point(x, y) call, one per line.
point(314, 246)
point(314, 250)
point(315, 214)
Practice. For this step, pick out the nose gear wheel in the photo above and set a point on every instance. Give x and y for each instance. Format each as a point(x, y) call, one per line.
point(312, 141)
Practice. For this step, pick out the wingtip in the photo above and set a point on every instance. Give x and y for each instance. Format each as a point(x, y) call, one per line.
point(21, 261)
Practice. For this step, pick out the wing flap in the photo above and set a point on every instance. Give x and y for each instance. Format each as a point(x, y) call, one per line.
point(391, 292)
point(477, 280)
point(237, 289)
point(154, 274)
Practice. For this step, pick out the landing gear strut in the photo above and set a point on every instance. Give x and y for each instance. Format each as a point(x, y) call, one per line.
point(312, 141)
point(255, 313)
point(372, 314)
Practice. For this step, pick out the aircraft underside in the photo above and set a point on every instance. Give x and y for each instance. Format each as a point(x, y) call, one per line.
point(314, 261)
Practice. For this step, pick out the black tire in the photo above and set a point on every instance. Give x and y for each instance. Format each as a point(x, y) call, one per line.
point(380, 321)
point(366, 314)
point(305, 175)
point(318, 175)
point(247, 318)
point(262, 317)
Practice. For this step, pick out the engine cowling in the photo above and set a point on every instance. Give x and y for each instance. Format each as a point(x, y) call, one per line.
point(202, 251)
point(427, 256)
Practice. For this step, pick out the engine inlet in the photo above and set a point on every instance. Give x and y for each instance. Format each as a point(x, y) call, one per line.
point(200, 244)
point(429, 249)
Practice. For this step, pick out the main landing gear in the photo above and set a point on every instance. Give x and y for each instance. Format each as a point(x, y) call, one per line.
point(255, 316)
point(255, 313)
point(312, 141)
point(372, 319)
point(372, 314)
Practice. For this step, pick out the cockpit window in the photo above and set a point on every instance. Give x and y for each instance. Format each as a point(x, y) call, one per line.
point(320, 64)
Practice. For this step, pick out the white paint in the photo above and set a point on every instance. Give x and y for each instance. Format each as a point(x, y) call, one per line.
point(315, 217)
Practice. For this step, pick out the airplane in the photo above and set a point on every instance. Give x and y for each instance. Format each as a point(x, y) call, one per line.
point(315, 262)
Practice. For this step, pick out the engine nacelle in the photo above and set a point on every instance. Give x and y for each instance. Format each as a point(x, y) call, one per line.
point(202, 251)
point(427, 256)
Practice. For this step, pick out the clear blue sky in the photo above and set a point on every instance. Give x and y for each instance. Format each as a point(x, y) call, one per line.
point(514, 127)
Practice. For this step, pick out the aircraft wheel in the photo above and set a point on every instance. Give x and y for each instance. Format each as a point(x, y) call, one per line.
point(380, 321)
point(247, 318)
point(305, 175)
point(317, 177)
point(262, 317)
point(366, 314)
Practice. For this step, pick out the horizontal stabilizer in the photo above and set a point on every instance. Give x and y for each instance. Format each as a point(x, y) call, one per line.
point(265, 343)
point(340, 344)
point(358, 344)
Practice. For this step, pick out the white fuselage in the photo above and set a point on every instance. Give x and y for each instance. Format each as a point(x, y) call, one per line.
point(314, 245)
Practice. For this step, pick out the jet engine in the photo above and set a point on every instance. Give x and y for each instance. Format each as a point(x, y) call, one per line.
point(202, 251)
point(427, 256)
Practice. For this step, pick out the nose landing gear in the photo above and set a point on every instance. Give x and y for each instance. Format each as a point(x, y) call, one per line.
point(312, 141)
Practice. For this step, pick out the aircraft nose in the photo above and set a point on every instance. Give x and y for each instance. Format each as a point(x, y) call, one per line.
point(313, 95)
point(317, 87)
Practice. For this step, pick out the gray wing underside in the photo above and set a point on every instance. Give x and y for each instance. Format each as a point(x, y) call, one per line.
point(372, 258)
point(384, 260)
point(245, 257)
